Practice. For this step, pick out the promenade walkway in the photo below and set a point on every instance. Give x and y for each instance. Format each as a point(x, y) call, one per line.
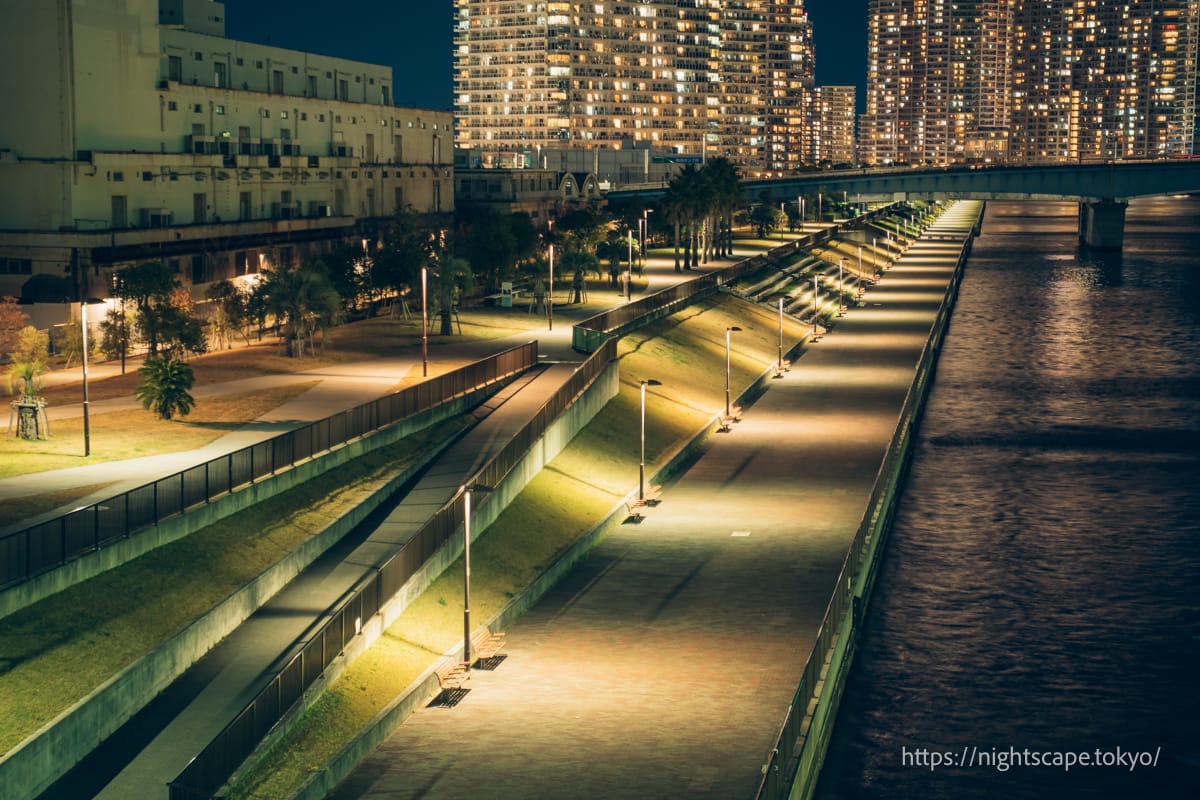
point(662, 666)
point(682, 593)
point(154, 746)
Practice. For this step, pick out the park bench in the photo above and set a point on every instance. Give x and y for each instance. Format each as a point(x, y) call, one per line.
point(635, 505)
point(452, 675)
point(484, 647)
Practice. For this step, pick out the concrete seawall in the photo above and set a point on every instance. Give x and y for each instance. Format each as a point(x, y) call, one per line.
point(656, 663)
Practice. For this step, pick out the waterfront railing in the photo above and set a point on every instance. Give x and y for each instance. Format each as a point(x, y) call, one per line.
point(797, 754)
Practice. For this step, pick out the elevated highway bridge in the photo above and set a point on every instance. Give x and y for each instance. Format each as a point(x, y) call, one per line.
point(1102, 189)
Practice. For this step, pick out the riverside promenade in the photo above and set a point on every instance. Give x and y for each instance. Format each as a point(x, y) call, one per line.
point(754, 523)
point(662, 666)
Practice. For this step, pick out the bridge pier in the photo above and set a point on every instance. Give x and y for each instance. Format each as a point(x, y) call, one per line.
point(1102, 223)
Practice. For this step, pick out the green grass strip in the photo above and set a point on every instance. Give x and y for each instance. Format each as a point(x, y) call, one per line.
point(57, 651)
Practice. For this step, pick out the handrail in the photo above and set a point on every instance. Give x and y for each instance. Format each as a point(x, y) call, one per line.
point(30, 551)
point(784, 759)
point(210, 768)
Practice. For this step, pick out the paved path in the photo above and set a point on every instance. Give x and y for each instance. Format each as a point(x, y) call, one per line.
point(154, 746)
point(663, 665)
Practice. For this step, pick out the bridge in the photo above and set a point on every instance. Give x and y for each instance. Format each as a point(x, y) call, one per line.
point(1102, 189)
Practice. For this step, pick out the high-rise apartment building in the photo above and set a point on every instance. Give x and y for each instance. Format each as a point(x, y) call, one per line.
point(701, 77)
point(134, 131)
point(1019, 80)
point(936, 81)
point(1103, 80)
point(834, 141)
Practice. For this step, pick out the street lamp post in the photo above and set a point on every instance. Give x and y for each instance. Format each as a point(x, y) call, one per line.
point(87, 438)
point(642, 459)
point(119, 289)
point(645, 231)
point(780, 368)
point(629, 268)
point(550, 296)
point(728, 400)
point(819, 212)
point(474, 487)
point(816, 290)
point(424, 321)
point(782, 213)
point(861, 287)
point(800, 206)
point(841, 286)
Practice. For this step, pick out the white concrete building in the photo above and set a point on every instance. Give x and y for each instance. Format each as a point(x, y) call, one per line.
point(134, 130)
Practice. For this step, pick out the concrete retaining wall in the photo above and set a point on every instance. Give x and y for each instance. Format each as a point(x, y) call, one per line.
point(823, 716)
point(41, 759)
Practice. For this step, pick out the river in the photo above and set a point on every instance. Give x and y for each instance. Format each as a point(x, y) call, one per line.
point(1040, 595)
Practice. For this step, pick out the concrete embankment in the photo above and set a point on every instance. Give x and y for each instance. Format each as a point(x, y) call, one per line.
point(664, 662)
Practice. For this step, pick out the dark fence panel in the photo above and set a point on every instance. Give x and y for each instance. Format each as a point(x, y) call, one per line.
point(41, 547)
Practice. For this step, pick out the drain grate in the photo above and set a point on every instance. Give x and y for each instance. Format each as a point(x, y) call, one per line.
point(489, 663)
point(449, 698)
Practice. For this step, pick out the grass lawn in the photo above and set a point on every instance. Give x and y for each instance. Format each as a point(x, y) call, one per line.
point(118, 435)
point(599, 467)
point(55, 652)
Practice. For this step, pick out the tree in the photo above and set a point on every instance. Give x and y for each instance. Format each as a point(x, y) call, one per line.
point(12, 320)
point(228, 311)
point(489, 244)
point(577, 264)
point(181, 333)
point(149, 286)
point(396, 265)
point(303, 300)
point(165, 387)
point(725, 183)
point(30, 361)
point(452, 277)
point(614, 249)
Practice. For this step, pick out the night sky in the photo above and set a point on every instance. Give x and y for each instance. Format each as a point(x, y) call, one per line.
point(414, 38)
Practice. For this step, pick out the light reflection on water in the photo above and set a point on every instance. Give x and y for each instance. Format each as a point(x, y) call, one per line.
point(1042, 585)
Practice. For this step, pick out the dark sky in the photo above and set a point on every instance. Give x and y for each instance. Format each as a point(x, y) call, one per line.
point(414, 38)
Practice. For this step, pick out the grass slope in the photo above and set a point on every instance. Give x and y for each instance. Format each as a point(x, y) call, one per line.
point(686, 353)
point(54, 653)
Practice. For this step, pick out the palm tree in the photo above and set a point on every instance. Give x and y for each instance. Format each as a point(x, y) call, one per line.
point(672, 207)
point(303, 301)
point(725, 184)
point(164, 387)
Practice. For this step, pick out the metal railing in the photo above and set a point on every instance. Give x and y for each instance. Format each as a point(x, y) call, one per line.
point(588, 334)
point(31, 551)
point(328, 637)
point(794, 748)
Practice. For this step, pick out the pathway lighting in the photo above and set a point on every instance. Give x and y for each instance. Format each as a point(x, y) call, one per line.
point(467, 490)
point(642, 459)
point(728, 404)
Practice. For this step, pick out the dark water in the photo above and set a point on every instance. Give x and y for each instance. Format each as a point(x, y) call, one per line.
point(1041, 590)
